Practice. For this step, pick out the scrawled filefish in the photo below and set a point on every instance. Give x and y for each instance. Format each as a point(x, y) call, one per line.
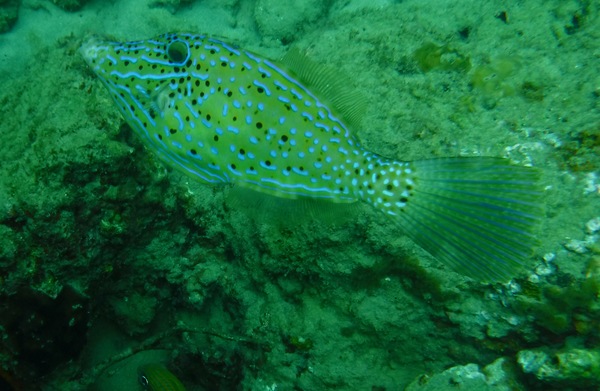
point(222, 114)
point(156, 377)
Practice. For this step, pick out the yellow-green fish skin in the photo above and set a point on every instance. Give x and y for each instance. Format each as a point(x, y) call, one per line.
point(225, 115)
point(155, 377)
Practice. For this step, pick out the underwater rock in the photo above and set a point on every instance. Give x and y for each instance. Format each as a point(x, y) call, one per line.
point(171, 5)
point(593, 225)
point(9, 11)
point(570, 367)
point(39, 333)
point(134, 312)
point(70, 5)
point(498, 376)
point(282, 20)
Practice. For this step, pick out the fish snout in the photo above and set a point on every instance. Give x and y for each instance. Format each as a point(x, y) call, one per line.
point(93, 50)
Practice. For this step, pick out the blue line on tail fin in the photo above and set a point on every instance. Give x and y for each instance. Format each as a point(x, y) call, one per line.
point(477, 215)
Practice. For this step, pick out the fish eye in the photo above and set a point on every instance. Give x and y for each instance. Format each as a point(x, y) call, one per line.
point(144, 381)
point(178, 52)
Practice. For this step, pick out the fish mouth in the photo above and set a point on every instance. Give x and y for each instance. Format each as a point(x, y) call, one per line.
point(92, 49)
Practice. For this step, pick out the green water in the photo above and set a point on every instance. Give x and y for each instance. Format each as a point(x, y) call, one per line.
point(108, 261)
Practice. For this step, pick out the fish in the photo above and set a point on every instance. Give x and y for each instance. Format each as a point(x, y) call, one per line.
point(156, 377)
point(224, 115)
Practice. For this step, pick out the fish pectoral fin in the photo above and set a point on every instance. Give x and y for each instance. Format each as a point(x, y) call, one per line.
point(160, 100)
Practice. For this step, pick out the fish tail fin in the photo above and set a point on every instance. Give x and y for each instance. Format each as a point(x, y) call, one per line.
point(477, 215)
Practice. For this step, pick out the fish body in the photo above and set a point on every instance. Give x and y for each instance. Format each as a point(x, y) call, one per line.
point(222, 114)
point(156, 377)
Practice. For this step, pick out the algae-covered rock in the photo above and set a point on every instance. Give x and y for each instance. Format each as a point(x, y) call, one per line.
point(496, 79)
point(134, 312)
point(70, 5)
point(504, 76)
point(498, 376)
point(171, 5)
point(571, 367)
point(9, 11)
point(430, 56)
point(283, 20)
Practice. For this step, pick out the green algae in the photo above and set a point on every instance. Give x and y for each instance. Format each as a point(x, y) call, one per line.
point(494, 80)
point(430, 56)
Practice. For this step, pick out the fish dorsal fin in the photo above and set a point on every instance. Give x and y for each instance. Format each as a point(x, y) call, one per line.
point(331, 86)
